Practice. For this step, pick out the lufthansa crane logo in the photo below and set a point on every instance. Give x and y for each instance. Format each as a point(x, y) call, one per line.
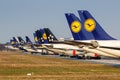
point(89, 25)
point(12, 42)
point(36, 39)
point(44, 36)
point(76, 26)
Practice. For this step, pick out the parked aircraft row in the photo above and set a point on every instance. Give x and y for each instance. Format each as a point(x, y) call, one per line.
point(90, 40)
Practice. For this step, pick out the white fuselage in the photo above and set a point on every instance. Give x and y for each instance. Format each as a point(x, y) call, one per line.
point(63, 46)
point(29, 49)
point(66, 49)
point(11, 47)
point(109, 43)
point(106, 47)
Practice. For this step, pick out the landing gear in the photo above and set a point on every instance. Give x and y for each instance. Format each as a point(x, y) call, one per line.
point(80, 57)
point(89, 57)
point(44, 52)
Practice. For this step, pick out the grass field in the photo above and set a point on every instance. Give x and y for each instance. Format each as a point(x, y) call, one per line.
point(17, 66)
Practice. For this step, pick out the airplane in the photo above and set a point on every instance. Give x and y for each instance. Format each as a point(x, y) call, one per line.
point(44, 40)
point(92, 26)
point(43, 36)
point(20, 40)
point(38, 35)
point(79, 34)
point(12, 46)
point(103, 39)
point(51, 37)
point(25, 46)
point(57, 47)
point(36, 39)
point(14, 42)
point(30, 47)
point(28, 41)
point(77, 30)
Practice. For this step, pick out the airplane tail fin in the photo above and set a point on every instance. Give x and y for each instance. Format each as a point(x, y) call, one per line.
point(14, 42)
point(39, 36)
point(75, 26)
point(28, 40)
point(36, 39)
point(44, 36)
point(91, 25)
point(21, 40)
point(51, 37)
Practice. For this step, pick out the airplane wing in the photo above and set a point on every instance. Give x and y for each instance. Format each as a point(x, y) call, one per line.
point(49, 48)
point(80, 44)
point(64, 51)
point(92, 46)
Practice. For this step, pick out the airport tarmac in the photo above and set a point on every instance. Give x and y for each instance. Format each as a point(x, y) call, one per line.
point(111, 62)
point(106, 61)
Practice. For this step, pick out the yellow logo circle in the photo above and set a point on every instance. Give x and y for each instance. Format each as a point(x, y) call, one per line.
point(36, 39)
point(76, 26)
point(89, 25)
point(44, 36)
point(12, 42)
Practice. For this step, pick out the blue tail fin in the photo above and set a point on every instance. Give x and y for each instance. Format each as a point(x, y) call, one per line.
point(21, 40)
point(39, 36)
point(91, 25)
point(28, 40)
point(51, 37)
point(36, 39)
point(44, 36)
point(14, 42)
point(75, 26)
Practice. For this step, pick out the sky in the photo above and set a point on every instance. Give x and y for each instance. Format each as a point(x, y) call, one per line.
point(23, 17)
